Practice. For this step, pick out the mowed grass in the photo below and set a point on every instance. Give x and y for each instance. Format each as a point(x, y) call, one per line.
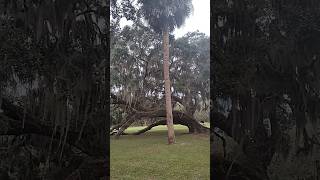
point(149, 157)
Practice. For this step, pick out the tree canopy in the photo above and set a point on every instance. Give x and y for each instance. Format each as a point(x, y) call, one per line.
point(137, 76)
point(53, 61)
point(265, 66)
point(169, 14)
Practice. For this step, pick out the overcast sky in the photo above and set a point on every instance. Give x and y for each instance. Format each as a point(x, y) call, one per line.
point(199, 20)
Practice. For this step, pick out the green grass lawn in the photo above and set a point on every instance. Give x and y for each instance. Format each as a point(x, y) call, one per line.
point(149, 157)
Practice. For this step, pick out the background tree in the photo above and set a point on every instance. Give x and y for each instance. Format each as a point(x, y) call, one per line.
point(264, 62)
point(190, 59)
point(53, 55)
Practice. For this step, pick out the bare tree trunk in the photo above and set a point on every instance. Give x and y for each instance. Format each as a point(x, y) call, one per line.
point(167, 86)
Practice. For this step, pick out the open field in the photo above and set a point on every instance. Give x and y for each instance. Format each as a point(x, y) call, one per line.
point(148, 157)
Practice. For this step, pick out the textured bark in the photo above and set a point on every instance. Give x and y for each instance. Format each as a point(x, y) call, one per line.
point(125, 125)
point(167, 86)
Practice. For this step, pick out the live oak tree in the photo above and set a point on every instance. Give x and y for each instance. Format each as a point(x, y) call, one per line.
point(136, 77)
point(164, 16)
point(190, 71)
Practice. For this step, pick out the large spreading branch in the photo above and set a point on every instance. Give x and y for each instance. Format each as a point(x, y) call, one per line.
point(141, 112)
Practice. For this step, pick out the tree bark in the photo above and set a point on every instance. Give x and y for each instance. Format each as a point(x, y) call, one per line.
point(167, 86)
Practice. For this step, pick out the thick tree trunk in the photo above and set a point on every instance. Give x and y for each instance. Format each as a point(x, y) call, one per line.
point(167, 85)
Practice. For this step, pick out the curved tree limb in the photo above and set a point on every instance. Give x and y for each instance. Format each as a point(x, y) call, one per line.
point(140, 112)
point(178, 118)
point(162, 122)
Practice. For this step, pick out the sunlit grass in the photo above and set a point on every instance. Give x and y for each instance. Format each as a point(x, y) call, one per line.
point(149, 157)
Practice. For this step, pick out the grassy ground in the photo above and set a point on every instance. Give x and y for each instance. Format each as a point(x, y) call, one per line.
point(148, 157)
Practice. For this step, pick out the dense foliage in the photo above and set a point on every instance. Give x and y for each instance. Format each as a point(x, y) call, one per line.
point(53, 57)
point(266, 66)
point(137, 69)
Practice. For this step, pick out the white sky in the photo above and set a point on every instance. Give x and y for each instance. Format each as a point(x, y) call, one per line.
point(199, 20)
